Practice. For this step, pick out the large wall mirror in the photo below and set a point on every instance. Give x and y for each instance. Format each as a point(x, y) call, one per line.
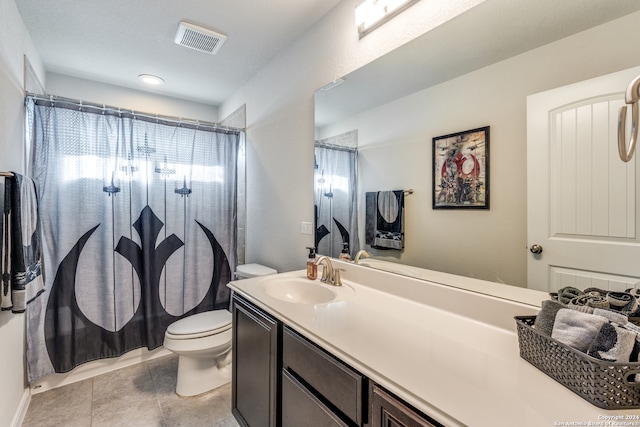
point(476, 70)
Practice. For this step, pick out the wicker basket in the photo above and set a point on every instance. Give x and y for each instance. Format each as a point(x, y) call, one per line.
point(608, 385)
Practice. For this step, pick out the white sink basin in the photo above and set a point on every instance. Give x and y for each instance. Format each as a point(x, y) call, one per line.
point(298, 291)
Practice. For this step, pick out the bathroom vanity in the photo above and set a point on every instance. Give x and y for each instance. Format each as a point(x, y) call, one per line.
point(315, 387)
point(387, 350)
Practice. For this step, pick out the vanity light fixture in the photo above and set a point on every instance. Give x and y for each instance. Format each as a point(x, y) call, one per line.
point(370, 14)
point(332, 84)
point(150, 79)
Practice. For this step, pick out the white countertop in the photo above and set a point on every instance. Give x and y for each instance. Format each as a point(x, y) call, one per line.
point(449, 352)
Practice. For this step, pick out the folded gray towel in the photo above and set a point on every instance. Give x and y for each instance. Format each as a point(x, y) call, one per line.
point(547, 316)
point(612, 343)
point(574, 304)
point(613, 316)
point(576, 329)
point(635, 356)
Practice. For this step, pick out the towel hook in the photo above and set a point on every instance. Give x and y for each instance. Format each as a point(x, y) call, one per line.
point(632, 96)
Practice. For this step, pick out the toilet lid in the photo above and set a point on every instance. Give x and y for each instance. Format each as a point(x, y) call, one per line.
point(201, 322)
point(254, 270)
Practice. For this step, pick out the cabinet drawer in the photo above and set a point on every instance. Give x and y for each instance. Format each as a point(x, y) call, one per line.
point(301, 408)
point(334, 381)
point(389, 411)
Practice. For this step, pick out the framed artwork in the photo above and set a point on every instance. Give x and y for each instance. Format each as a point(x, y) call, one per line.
point(461, 170)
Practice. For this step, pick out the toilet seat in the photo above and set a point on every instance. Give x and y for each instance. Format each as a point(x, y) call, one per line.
point(200, 325)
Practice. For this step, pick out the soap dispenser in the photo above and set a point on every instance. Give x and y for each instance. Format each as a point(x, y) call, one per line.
point(345, 255)
point(312, 267)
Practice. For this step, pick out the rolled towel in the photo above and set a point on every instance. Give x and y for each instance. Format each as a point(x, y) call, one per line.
point(547, 316)
point(597, 300)
point(602, 292)
point(566, 294)
point(613, 316)
point(623, 302)
point(634, 291)
point(592, 299)
point(612, 343)
point(576, 329)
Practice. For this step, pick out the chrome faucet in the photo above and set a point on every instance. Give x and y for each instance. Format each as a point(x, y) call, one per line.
point(361, 253)
point(329, 274)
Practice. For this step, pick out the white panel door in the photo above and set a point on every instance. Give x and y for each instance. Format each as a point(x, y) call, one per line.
point(583, 202)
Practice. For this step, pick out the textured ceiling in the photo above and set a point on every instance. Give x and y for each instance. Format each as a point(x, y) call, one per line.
point(114, 41)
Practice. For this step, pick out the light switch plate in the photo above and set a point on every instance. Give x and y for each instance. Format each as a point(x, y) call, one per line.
point(306, 228)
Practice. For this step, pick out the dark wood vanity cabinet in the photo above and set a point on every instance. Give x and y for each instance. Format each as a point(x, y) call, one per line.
point(255, 366)
point(281, 379)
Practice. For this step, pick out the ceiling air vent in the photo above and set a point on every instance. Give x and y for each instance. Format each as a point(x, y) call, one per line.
point(199, 38)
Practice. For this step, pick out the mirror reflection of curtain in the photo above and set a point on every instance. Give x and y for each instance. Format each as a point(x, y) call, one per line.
point(139, 229)
point(336, 218)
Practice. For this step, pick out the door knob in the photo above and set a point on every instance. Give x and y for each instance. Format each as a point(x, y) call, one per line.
point(536, 249)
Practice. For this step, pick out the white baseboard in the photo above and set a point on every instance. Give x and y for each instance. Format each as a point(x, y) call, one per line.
point(21, 412)
point(97, 367)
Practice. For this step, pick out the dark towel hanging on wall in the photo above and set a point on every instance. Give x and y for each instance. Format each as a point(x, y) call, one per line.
point(22, 278)
point(384, 212)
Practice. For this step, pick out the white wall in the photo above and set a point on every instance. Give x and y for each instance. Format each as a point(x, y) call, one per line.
point(116, 96)
point(14, 44)
point(280, 122)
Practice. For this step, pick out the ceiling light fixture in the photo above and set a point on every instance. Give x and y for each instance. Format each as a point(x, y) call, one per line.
point(150, 79)
point(370, 14)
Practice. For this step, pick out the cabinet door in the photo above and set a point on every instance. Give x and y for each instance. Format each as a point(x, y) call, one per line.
point(388, 411)
point(301, 408)
point(255, 366)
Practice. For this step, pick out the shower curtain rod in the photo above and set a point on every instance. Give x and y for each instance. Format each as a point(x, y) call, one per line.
point(116, 111)
point(335, 146)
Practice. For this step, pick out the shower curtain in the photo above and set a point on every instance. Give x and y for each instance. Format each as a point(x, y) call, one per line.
point(139, 229)
point(335, 200)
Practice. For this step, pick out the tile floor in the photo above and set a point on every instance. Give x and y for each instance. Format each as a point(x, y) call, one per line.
point(142, 395)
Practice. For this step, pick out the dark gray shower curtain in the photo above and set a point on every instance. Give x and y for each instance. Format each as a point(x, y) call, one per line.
point(139, 229)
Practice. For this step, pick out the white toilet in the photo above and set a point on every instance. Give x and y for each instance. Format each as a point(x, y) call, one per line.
point(203, 343)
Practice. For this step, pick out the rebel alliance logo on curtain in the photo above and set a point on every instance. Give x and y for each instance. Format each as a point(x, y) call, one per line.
point(72, 338)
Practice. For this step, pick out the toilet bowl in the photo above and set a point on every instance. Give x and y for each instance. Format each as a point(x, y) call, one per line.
point(203, 344)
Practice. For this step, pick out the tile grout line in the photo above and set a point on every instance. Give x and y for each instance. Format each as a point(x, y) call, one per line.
point(155, 394)
point(91, 406)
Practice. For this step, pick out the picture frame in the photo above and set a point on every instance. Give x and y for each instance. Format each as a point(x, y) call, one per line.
point(461, 170)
